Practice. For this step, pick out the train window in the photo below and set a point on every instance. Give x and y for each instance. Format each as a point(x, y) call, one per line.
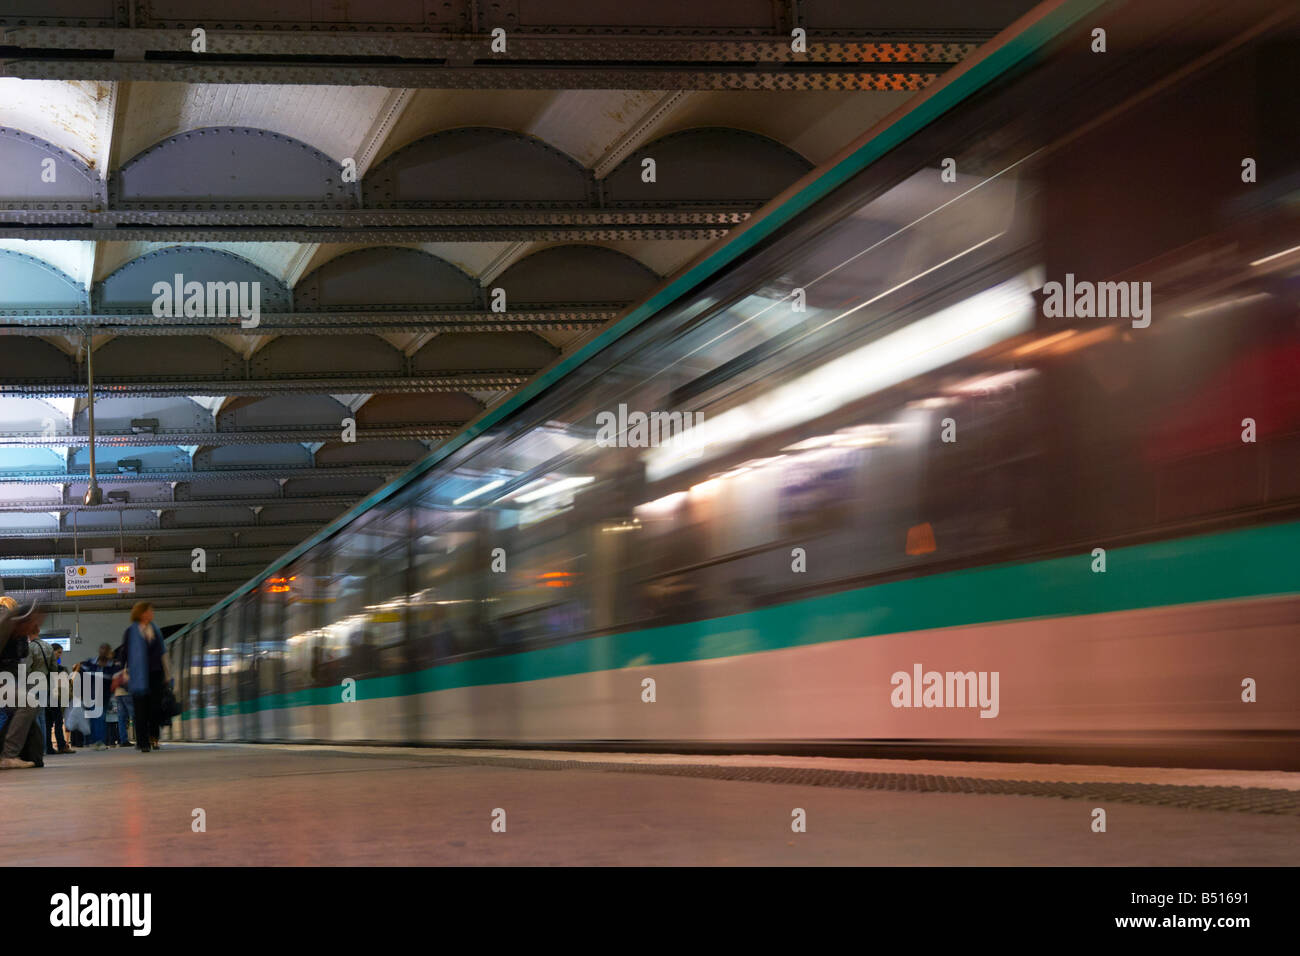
point(301, 614)
point(450, 557)
point(269, 653)
point(364, 633)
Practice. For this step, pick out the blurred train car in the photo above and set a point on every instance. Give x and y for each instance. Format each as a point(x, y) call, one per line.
point(902, 459)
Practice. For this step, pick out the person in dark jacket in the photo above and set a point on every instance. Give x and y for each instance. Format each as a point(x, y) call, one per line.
point(54, 713)
point(20, 718)
point(147, 670)
point(106, 667)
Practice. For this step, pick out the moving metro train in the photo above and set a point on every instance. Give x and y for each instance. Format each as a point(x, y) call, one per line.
point(918, 509)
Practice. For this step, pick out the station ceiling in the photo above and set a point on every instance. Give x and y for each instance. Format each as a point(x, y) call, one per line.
point(429, 221)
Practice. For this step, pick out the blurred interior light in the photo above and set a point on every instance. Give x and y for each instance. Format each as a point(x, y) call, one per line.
point(665, 504)
point(863, 436)
point(817, 441)
point(1083, 340)
point(1045, 342)
point(991, 383)
point(969, 326)
point(1227, 303)
point(553, 488)
point(936, 401)
point(632, 525)
point(1276, 255)
point(481, 490)
point(707, 488)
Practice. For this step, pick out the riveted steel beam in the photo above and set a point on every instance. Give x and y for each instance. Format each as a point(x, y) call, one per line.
point(361, 234)
point(184, 504)
point(177, 557)
point(235, 213)
point(309, 323)
point(788, 77)
point(190, 532)
point(405, 384)
point(268, 436)
point(577, 49)
point(51, 598)
point(31, 477)
point(367, 225)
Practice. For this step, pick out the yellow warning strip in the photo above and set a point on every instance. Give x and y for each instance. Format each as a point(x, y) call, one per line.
point(95, 591)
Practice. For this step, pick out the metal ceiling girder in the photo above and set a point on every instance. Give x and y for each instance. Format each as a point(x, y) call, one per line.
point(310, 323)
point(505, 379)
point(520, 233)
point(570, 50)
point(331, 222)
point(210, 474)
point(907, 78)
point(48, 597)
point(184, 504)
point(190, 532)
point(250, 436)
point(153, 558)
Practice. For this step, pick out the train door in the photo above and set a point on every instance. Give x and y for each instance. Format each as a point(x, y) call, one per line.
point(269, 654)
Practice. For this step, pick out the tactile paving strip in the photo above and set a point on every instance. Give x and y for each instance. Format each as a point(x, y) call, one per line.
point(1232, 799)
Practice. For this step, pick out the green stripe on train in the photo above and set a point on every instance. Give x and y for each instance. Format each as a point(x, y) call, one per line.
point(1235, 564)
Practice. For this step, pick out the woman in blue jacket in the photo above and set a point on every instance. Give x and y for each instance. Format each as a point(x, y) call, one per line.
point(147, 668)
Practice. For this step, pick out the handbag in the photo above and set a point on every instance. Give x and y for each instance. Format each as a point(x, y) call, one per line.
point(170, 707)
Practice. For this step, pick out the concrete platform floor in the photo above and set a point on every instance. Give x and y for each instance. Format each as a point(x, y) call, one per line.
point(322, 806)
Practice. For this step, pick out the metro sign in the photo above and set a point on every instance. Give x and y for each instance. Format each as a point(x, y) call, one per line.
point(83, 580)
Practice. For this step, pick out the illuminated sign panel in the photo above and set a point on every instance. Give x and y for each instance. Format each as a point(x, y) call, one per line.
point(84, 580)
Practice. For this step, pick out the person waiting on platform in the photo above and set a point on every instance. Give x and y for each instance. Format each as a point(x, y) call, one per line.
point(147, 669)
point(122, 699)
point(54, 713)
point(13, 654)
point(107, 667)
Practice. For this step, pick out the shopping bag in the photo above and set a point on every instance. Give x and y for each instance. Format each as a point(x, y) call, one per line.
point(75, 718)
